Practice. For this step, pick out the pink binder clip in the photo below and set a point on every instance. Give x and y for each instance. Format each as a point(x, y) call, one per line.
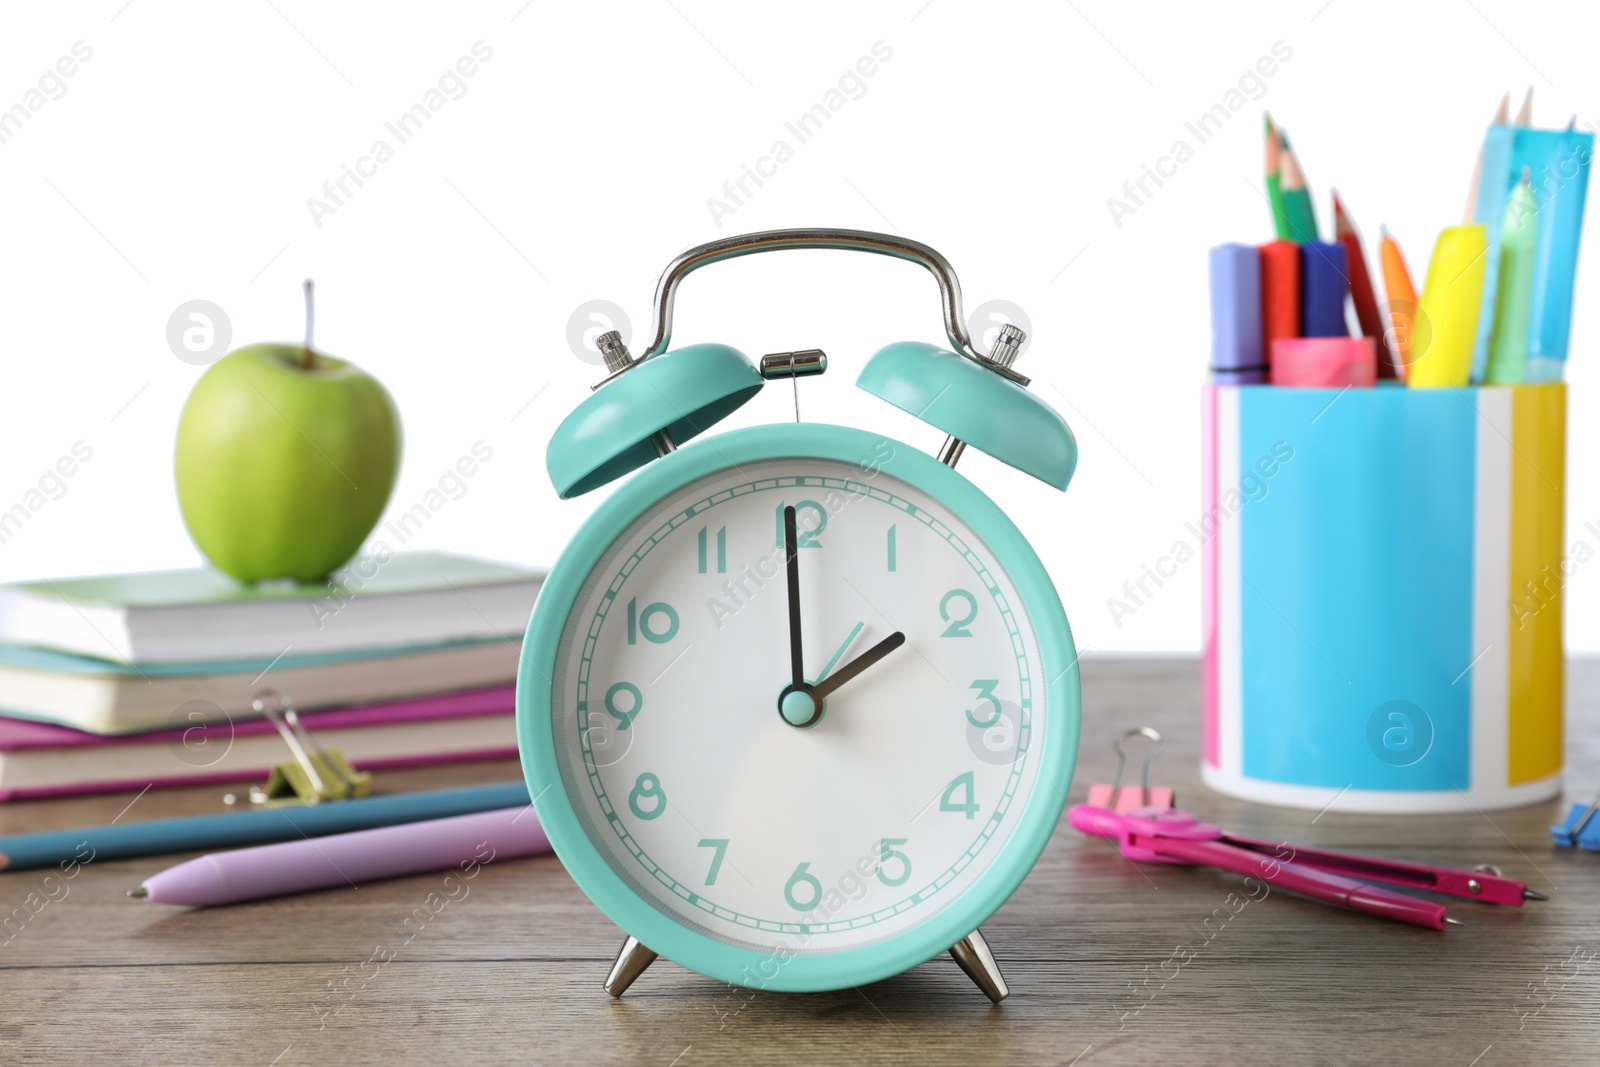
point(1115, 797)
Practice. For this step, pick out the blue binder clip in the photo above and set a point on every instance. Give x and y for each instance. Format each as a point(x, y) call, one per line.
point(1581, 830)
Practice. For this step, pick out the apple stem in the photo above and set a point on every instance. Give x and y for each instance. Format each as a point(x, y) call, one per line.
point(305, 353)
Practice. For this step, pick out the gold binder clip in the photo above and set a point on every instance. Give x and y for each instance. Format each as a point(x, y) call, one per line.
point(314, 775)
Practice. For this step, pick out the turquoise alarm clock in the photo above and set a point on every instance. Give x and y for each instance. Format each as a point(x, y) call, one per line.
point(798, 706)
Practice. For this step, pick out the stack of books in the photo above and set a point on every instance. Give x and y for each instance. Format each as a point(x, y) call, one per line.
point(145, 679)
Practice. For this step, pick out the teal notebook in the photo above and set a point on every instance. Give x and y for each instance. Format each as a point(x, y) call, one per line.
point(405, 601)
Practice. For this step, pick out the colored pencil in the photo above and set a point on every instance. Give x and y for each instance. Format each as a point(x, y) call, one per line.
point(228, 829)
point(1296, 197)
point(1361, 291)
point(1525, 112)
point(1280, 214)
point(1486, 203)
point(1477, 168)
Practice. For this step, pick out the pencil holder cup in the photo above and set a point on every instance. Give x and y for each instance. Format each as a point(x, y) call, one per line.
point(1383, 572)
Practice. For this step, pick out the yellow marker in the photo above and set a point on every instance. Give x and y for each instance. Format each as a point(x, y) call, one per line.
point(1447, 315)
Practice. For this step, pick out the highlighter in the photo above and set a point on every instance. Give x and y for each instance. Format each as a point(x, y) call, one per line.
point(1559, 162)
point(1446, 325)
point(1508, 339)
point(1324, 287)
point(1401, 298)
point(1280, 292)
point(1237, 357)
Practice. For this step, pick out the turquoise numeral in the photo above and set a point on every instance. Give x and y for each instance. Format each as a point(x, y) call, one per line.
point(722, 550)
point(802, 877)
point(624, 717)
point(721, 846)
point(647, 787)
point(948, 802)
point(891, 548)
point(807, 535)
point(958, 627)
point(640, 620)
point(985, 688)
point(889, 853)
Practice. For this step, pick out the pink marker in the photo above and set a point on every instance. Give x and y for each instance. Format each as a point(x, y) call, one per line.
point(461, 841)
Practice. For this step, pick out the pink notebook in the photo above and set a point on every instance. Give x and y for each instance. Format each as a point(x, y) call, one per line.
point(43, 759)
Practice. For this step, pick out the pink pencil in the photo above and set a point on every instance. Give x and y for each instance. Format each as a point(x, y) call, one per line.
point(462, 841)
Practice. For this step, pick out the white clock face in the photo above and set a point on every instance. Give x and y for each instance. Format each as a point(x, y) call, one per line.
point(704, 799)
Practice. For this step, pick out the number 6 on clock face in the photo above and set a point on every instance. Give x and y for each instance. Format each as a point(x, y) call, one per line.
point(810, 829)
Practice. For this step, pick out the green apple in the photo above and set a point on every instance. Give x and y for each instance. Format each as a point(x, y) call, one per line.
point(285, 460)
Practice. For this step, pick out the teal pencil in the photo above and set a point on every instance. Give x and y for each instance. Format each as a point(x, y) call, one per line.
point(260, 826)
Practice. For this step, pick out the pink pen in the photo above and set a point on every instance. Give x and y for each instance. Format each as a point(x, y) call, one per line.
point(462, 841)
point(1167, 835)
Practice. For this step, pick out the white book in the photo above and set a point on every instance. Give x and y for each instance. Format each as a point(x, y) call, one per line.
point(196, 616)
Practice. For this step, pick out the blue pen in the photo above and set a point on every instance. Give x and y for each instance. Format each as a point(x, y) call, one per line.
point(229, 829)
point(1324, 285)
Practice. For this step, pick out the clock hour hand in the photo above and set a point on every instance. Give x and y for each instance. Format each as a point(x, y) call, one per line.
point(791, 549)
point(859, 664)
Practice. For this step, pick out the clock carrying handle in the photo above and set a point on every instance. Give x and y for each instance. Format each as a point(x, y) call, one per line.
point(881, 244)
point(647, 406)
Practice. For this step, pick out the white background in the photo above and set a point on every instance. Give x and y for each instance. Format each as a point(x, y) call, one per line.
point(179, 161)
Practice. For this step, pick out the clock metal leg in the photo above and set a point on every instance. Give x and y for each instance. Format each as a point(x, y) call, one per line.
point(973, 954)
point(631, 962)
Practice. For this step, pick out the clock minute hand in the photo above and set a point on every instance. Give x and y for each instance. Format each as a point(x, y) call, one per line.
point(791, 548)
point(859, 664)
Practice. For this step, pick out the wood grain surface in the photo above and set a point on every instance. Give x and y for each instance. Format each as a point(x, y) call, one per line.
point(510, 970)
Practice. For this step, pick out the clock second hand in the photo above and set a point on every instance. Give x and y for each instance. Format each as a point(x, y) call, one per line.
point(859, 664)
point(848, 641)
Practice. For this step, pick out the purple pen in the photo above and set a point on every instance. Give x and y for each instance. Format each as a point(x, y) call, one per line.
point(462, 841)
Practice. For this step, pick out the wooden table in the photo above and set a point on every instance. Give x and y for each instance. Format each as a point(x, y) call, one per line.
point(511, 972)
